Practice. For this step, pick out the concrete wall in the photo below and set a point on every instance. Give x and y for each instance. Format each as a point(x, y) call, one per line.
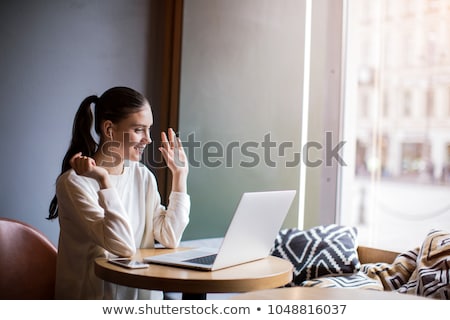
point(241, 94)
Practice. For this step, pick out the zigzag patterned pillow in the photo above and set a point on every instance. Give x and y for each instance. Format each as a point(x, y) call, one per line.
point(323, 250)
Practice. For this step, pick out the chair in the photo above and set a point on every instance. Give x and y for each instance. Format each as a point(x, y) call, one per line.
point(27, 262)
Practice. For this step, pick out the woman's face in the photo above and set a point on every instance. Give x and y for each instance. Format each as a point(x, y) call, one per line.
point(133, 134)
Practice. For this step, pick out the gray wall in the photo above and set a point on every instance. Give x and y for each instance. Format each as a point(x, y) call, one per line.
point(242, 71)
point(53, 54)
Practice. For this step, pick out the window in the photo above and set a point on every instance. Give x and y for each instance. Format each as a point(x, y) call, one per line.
point(399, 186)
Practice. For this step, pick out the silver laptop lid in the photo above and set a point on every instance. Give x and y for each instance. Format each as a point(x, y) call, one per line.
point(254, 226)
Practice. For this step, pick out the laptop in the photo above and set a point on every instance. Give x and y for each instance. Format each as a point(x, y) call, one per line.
point(250, 235)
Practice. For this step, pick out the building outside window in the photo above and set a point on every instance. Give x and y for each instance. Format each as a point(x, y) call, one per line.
point(399, 66)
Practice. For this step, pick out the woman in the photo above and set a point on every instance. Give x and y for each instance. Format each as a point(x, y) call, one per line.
point(107, 201)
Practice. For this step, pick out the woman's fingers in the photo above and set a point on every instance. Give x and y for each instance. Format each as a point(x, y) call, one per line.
point(164, 141)
point(170, 140)
point(72, 160)
point(82, 164)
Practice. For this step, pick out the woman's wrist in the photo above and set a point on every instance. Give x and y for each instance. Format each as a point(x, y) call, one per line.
point(179, 183)
point(104, 182)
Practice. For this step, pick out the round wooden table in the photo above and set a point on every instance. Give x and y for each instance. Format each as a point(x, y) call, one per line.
point(312, 293)
point(270, 272)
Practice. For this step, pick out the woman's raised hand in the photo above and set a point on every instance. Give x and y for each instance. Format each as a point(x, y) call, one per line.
point(175, 157)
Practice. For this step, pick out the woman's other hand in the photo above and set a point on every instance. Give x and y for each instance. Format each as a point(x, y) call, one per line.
point(86, 166)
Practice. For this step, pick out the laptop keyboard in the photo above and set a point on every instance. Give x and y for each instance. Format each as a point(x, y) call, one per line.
point(203, 260)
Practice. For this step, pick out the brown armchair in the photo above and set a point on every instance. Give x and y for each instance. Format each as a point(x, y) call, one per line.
point(27, 262)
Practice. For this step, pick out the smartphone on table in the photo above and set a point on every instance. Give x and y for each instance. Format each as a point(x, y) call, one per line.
point(128, 263)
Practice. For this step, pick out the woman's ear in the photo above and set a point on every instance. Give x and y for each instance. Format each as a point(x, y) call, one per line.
point(108, 129)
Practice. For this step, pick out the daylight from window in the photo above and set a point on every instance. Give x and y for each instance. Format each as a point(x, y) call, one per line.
point(398, 111)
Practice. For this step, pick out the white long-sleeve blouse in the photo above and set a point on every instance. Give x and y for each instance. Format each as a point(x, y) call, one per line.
point(111, 222)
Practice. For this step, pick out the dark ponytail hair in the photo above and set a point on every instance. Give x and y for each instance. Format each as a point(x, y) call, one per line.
point(115, 104)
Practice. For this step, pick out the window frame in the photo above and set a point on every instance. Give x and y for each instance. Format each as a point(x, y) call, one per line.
point(322, 198)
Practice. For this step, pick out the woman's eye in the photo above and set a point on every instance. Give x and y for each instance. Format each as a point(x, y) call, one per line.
point(142, 130)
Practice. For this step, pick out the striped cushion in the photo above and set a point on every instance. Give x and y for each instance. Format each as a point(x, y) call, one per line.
point(431, 277)
point(357, 280)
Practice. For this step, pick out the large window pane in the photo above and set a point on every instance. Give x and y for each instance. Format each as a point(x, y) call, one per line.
point(398, 84)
